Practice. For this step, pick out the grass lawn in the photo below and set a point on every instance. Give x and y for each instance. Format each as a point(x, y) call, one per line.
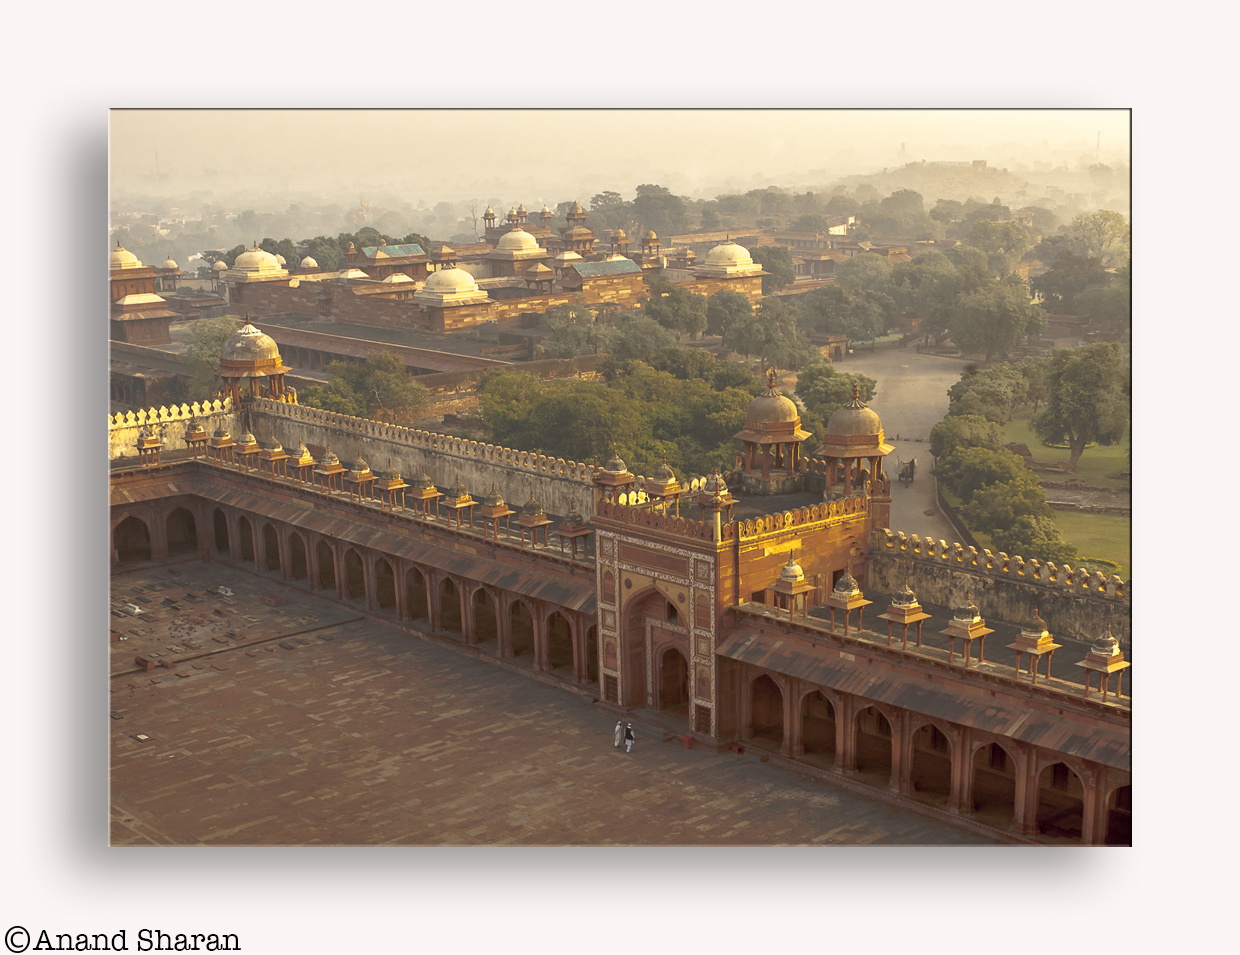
point(1108, 536)
point(1099, 466)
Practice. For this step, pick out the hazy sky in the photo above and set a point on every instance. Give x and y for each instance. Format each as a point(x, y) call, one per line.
point(434, 155)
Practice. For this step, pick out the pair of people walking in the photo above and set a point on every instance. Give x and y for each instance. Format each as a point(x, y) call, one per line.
point(624, 735)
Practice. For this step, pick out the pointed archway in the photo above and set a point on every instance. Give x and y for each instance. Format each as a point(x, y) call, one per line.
point(271, 548)
point(354, 576)
point(385, 585)
point(994, 785)
point(651, 605)
point(766, 702)
point(818, 729)
point(932, 764)
point(486, 624)
point(1119, 817)
point(245, 534)
point(521, 630)
point(417, 605)
point(220, 525)
point(873, 747)
point(559, 645)
point(327, 566)
point(182, 533)
point(297, 557)
point(450, 607)
point(674, 684)
point(132, 541)
point(1061, 803)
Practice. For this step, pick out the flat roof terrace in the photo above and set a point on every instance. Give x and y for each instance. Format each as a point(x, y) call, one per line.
point(315, 725)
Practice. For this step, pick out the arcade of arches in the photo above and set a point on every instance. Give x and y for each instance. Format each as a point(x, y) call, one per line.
point(528, 631)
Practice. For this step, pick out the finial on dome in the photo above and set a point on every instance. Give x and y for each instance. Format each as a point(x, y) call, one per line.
point(856, 391)
point(770, 378)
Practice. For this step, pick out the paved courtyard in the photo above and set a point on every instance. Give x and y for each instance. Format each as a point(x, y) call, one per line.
point(309, 724)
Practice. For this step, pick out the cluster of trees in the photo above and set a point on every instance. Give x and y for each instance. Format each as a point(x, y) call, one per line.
point(328, 252)
point(1086, 394)
point(204, 340)
point(378, 387)
point(686, 412)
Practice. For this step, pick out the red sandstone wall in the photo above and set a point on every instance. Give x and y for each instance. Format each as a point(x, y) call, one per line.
point(750, 287)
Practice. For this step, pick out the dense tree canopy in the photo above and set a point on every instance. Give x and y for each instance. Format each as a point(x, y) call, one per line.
point(724, 309)
point(965, 431)
point(824, 389)
point(996, 320)
point(998, 390)
point(967, 470)
point(1088, 398)
point(777, 260)
point(204, 340)
point(378, 388)
point(676, 308)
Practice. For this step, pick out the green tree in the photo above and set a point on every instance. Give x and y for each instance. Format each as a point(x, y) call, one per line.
point(604, 200)
point(638, 336)
point(964, 431)
point(379, 387)
point(967, 470)
point(1103, 235)
point(204, 340)
point(784, 345)
point(656, 208)
point(842, 206)
point(1088, 398)
point(996, 507)
point(865, 272)
point(710, 220)
point(824, 389)
point(777, 260)
point(1035, 537)
point(676, 308)
point(1002, 387)
point(724, 308)
point(1003, 242)
point(996, 320)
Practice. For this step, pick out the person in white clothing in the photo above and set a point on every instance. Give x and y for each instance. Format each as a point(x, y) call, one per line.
point(619, 734)
point(628, 738)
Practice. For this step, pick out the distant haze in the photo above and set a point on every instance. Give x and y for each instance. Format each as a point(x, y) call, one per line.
point(536, 156)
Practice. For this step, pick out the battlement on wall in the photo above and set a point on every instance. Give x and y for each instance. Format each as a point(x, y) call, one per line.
point(1073, 602)
point(123, 427)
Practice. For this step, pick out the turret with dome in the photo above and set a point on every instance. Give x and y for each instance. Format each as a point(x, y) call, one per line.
point(249, 355)
point(728, 260)
point(772, 439)
point(854, 447)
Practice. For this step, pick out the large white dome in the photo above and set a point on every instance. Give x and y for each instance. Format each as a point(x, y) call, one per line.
point(256, 260)
point(518, 240)
point(729, 254)
point(447, 281)
point(121, 258)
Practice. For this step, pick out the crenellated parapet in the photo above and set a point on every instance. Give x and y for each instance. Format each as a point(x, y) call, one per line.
point(559, 484)
point(645, 517)
point(1006, 587)
point(123, 427)
point(806, 518)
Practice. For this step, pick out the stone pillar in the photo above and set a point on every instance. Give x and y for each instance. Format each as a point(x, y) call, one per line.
point(312, 560)
point(399, 569)
point(1025, 819)
point(234, 535)
point(786, 744)
point(432, 600)
point(503, 626)
point(1093, 825)
point(846, 736)
point(901, 754)
point(157, 532)
point(578, 628)
point(962, 773)
point(542, 654)
point(341, 573)
point(468, 629)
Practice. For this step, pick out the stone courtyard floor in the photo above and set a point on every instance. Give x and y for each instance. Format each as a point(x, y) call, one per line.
point(308, 723)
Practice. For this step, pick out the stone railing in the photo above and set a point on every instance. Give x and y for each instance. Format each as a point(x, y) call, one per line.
point(1074, 602)
point(656, 520)
point(824, 513)
point(170, 421)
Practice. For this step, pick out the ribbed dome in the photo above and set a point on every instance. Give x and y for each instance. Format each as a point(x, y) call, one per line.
point(846, 587)
point(170, 263)
point(329, 459)
point(392, 473)
point(423, 482)
point(729, 254)
point(573, 518)
point(664, 473)
point(256, 260)
point(246, 439)
point(272, 445)
point(195, 427)
point(968, 612)
point(616, 464)
point(576, 210)
point(792, 572)
point(1106, 645)
point(532, 508)
point(715, 486)
point(447, 281)
point(619, 236)
point(904, 597)
point(518, 240)
point(249, 344)
point(309, 263)
point(855, 418)
point(122, 258)
point(360, 467)
point(650, 236)
point(771, 406)
point(458, 489)
point(494, 499)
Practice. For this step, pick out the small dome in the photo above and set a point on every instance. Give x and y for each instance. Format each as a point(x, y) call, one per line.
point(360, 467)
point(792, 572)
point(308, 263)
point(329, 459)
point(715, 486)
point(272, 444)
point(532, 508)
point(255, 260)
point(122, 258)
point(619, 236)
point(576, 210)
point(249, 344)
point(904, 597)
point(846, 587)
point(573, 518)
point(1036, 624)
point(771, 407)
point(195, 427)
point(423, 482)
point(302, 451)
point(650, 236)
point(518, 240)
point(968, 613)
point(493, 499)
point(219, 266)
point(220, 432)
point(729, 254)
point(447, 281)
point(391, 474)
point(545, 210)
point(521, 209)
point(458, 489)
point(664, 473)
point(170, 263)
point(247, 438)
point(616, 464)
point(855, 418)
point(1106, 645)
point(490, 212)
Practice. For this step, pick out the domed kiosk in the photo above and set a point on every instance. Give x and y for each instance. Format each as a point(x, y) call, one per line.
point(139, 314)
point(249, 355)
point(772, 444)
point(854, 439)
point(515, 252)
point(452, 300)
point(728, 261)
